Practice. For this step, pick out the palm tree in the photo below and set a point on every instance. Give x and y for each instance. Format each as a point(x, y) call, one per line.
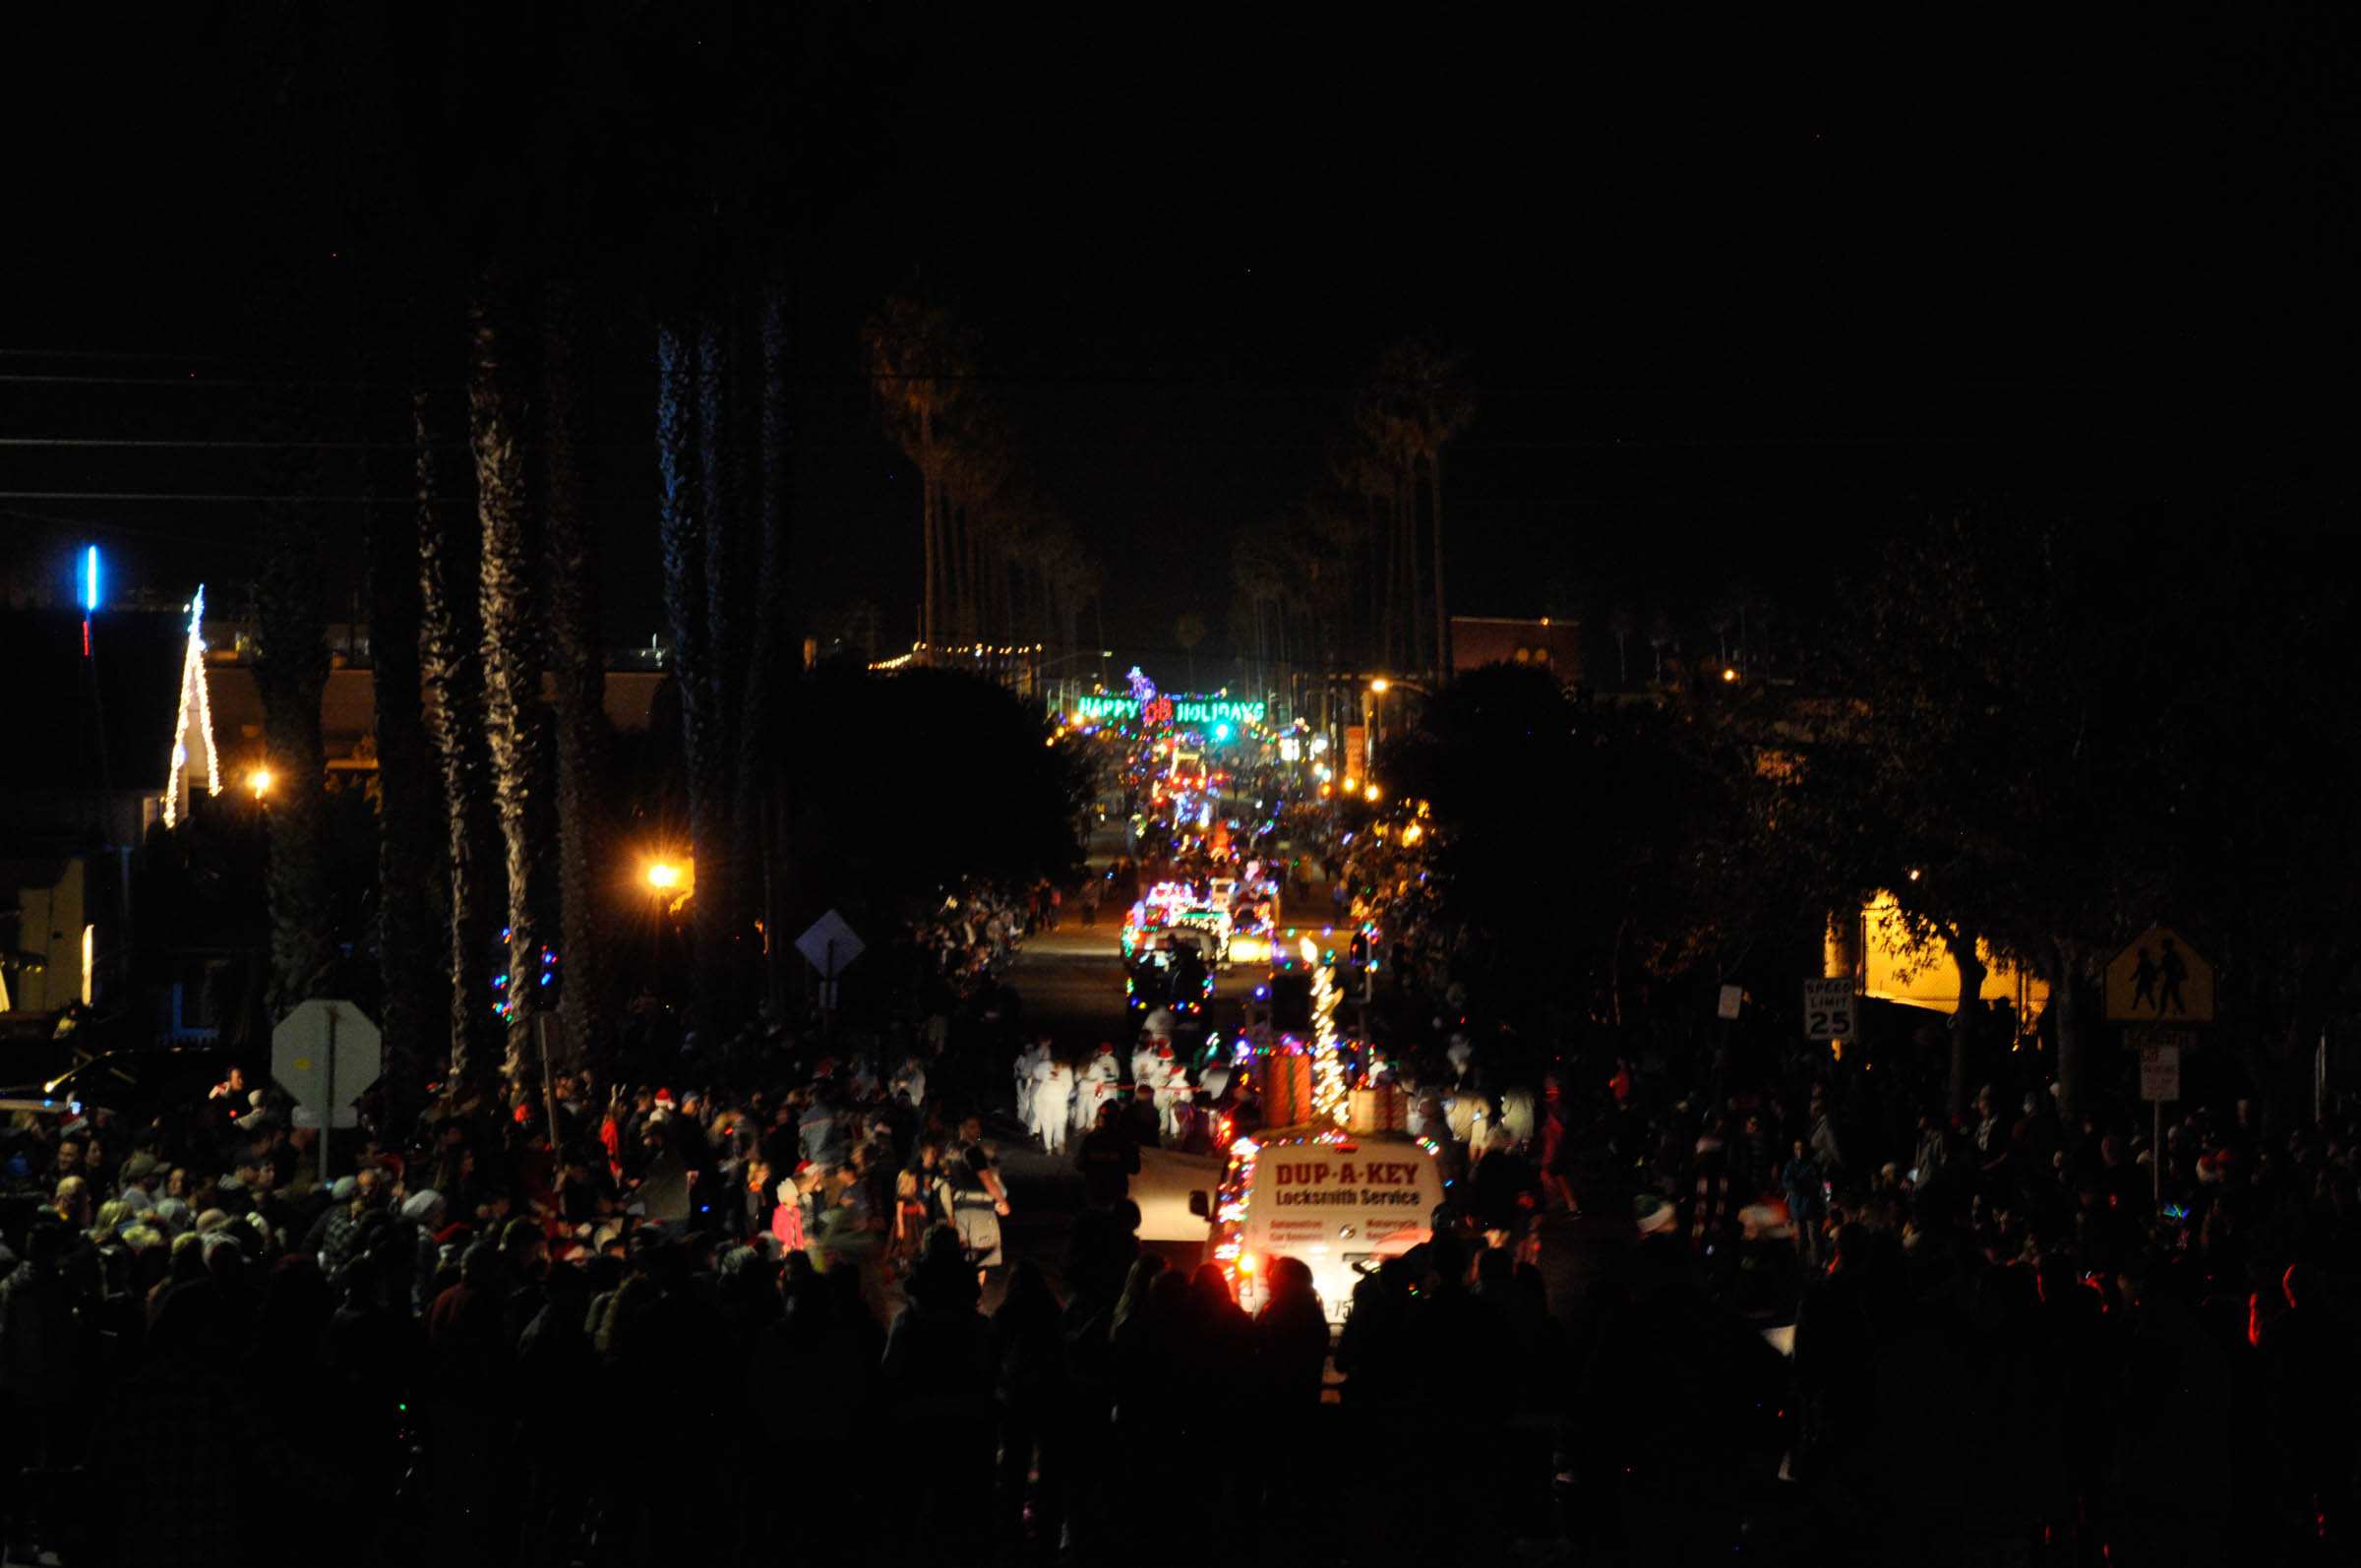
point(1424, 404)
point(512, 643)
point(1621, 622)
point(291, 674)
point(1659, 638)
point(976, 468)
point(414, 847)
point(756, 824)
point(916, 370)
point(579, 684)
point(1188, 632)
point(683, 535)
point(1357, 475)
point(1390, 457)
point(719, 912)
point(450, 636)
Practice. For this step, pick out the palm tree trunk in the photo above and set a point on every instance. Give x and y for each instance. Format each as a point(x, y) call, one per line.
point(413, 844)
point(512, 655)
point(582, 715)
point(680, 532)
point(929, 629)
point(755, 728)
point(713, 758)
point(962, 612)
point(1406, 521)
point(1442, 614)
point(450, 637)
point(291, 674)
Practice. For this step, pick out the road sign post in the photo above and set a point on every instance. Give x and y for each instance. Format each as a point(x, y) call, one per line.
point(1828, 1009)
point(829, 946)
point(325, 1053)
point(2161, 990)
point(2159, 978)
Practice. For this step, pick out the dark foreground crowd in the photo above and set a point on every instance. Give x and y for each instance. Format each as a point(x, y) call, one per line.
point(765, 1324)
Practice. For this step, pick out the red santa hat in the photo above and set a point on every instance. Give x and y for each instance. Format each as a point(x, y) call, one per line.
point(1164, 1049)
point(664, 1097)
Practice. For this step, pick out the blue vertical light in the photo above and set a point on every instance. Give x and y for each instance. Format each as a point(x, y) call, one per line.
point(89, 581)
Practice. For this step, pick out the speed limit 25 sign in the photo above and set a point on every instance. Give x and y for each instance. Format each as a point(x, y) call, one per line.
point(1828, 1009)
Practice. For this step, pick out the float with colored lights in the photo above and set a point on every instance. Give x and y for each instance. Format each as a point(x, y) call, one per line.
point(1334, 1179)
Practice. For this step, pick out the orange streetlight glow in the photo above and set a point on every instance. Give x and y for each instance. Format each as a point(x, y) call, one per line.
point(260, 782)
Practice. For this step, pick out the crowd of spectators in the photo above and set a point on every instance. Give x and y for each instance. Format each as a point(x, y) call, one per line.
point(1676, 1306)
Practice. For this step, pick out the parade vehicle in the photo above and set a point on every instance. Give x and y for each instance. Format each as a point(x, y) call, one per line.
point(1153, 914)
point(1340, 1204)
point(1168, 976)
point(1214, 925)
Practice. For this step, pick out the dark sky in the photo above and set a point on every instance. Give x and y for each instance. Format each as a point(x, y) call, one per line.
point(1736, 301)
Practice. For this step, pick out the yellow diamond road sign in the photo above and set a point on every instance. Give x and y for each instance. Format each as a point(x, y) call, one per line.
point(2159, 978)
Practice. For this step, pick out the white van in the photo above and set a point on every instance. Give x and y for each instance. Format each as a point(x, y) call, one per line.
point(1334, 1202)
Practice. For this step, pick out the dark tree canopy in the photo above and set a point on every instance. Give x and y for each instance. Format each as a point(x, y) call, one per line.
point(923, 779)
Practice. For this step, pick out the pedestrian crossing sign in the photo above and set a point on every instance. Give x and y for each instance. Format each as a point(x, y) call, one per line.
point(2159, 978)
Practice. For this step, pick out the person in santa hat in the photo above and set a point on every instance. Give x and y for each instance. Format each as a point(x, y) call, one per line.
point(1101, 1080)
point(1170, 1079)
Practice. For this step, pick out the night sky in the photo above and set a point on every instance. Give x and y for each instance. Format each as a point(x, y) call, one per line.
point(1737, 302)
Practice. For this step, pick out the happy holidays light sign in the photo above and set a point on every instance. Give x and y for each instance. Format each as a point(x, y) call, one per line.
point(1167, 709)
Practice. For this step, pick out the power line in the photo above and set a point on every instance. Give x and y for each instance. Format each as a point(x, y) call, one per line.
point(104, 353)
point(120, 442)
point(213, 498)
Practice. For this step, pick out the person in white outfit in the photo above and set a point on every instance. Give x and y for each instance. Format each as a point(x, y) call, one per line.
point(1053, 1095)
point(1170, 1080)
point(1028, 1078)
point(1143, 1061)
point(1100, 1078)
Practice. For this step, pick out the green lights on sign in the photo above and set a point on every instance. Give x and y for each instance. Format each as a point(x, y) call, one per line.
point(1193, 712)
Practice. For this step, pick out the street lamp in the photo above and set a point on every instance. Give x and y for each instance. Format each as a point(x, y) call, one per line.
point(1374, 715)
point(670, 877)
point(260, 782)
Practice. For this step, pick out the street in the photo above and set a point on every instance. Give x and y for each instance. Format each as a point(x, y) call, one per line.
point(1072, 983)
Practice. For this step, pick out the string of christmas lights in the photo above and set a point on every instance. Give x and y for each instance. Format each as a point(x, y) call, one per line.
point(1328, 1085)
point(194, 694)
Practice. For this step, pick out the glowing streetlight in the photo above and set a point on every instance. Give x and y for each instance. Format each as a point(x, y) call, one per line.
point(1381, 686)
point(1730, 675)
point(666, 875)
point(1373, 794)
point(260, 781)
